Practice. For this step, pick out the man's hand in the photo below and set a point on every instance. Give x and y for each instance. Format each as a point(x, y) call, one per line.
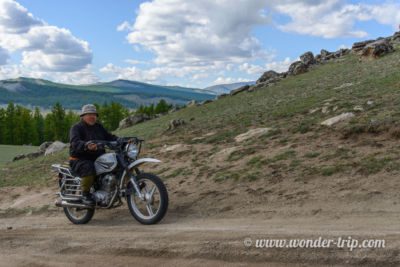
point(92, 147)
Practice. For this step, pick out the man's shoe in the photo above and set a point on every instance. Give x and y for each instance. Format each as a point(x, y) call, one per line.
point(87, 199)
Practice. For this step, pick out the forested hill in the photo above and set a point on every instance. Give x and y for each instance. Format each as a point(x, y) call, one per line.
point(43, 93)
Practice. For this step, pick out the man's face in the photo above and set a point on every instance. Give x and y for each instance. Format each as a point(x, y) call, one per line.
point(90, 118)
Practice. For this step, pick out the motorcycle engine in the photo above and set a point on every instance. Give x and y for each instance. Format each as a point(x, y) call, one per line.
point(108, 183)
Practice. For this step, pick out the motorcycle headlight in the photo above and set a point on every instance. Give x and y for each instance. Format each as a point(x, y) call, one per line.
point(132, 151)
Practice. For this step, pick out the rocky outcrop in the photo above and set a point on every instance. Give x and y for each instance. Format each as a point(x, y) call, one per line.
point(359, 46)
point(307, 58)
point(44, 146)
point(253, 133)
point(56, 146)
point(29, 155)
point(377, 49)
point(267, 76)
point(337, 119)
point(132, 120)
point(297, 68)
point(395, 39)
point(173, 124)
point(374, 48)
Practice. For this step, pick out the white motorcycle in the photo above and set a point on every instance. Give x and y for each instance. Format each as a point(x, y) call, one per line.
point(117, 177)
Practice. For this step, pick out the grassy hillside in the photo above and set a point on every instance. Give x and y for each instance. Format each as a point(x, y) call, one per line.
point(8, 152)
point(299, 162)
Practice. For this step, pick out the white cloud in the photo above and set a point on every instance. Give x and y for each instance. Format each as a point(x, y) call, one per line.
point(279, 66)
point(124, 26)
point(198, 32)
point(228, 80)
point(251, 69)
point(16, 19)
point(334, 18)
point(4, 56)
point(43, 47)
point(199, 76)
point(83, 76)
point(135, 62)
point(147, 75)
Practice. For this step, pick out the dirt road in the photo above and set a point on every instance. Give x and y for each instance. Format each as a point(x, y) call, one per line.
point(113, 237)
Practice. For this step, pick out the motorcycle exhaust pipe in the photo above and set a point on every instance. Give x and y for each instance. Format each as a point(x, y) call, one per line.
point(65, 204)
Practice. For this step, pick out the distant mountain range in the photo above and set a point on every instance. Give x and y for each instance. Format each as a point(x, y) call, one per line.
point(226, 88)
point(44, 93)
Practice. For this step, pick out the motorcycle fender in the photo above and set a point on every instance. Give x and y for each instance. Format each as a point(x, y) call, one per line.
point(142, 161)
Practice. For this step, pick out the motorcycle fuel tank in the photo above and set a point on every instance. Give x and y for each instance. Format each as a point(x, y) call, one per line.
point(105, 163)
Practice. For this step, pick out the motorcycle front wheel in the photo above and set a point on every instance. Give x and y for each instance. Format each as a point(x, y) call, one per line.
point(153, 207)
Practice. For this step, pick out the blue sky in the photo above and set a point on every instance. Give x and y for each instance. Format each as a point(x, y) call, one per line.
point(176, 42)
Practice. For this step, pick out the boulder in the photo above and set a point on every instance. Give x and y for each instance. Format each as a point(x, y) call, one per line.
point(307, 58)
point(19, 157)
point(297, 68)
point(396, 38)
point(34, 155)
point(358, 108)
point(253, 133)
point(239, 90)
point(359, 46)
point(173, 124)
point(55, 147)
point(44, 146)
point(339, 118)
point(31, 155)
point(377, 48)
point(132, 120)
point(325, 53)
point(342, 52)
point(267, 76)
point(283, 75)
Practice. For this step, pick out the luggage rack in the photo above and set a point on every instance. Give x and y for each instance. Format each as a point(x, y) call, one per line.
point(70, 186)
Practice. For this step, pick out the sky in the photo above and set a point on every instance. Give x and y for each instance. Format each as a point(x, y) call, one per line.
point(196, 43)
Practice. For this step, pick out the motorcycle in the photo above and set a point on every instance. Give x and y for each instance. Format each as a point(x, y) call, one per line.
point(117, 177)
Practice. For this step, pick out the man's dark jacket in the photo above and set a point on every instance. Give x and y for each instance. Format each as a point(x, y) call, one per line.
point(82, 132)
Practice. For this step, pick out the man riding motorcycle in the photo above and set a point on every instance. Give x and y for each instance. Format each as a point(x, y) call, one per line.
point(82, 153)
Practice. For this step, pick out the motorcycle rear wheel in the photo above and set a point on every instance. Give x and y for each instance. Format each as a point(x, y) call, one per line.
point(78, 215)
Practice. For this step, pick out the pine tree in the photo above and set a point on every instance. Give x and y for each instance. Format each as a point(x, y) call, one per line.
point(162, 107)
point(2, 125)
point(59, 126)
point(9, 135)
point(39, 126)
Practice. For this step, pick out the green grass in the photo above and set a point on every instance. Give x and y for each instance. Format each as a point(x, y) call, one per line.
point(8, 152)
point(371, 165)
point(32, 172)
point(284, 106)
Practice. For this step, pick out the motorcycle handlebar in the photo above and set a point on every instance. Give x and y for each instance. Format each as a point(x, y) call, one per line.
point(113, 145)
